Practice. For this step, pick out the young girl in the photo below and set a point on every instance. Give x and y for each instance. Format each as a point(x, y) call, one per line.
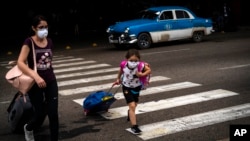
point(131, 85)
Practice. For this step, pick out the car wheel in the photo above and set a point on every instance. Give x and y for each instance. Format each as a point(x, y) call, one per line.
point(144, 41)
point(198, 36)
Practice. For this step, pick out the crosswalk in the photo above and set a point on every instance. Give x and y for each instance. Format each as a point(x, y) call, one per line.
point(88, 71)
point(77, 76)
point(193, 121)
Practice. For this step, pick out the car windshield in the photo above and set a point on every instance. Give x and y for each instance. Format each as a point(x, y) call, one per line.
point(147, 14)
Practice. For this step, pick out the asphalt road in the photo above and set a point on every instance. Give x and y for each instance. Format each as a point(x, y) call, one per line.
point(215, 70)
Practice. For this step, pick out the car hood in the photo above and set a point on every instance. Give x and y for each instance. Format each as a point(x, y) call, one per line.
point(121, 26)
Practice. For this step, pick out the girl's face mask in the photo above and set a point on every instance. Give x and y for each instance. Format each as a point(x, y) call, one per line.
point(132, 64)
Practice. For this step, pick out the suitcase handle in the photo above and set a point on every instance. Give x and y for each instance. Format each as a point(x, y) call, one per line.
point(112, 87)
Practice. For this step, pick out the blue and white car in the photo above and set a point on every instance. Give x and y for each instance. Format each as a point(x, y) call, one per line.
point(160, 24)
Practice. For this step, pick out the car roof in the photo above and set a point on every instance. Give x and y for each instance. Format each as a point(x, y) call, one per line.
point(160, 8)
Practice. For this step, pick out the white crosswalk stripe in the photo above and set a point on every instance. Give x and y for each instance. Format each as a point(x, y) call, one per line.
point(4, 64)
point(86, 80)
point(163, 88)
point(73, 64)
point(153, 90)
point(86, 89)
point(162, 128)
point(168, 103)
point(80, 68)
point(87, 72)
point(62, 60)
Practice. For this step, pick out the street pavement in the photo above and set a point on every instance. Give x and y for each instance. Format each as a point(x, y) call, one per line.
point(86, 39)
point(61, 62)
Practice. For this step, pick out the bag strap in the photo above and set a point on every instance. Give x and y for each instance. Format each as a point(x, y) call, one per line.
point(34, 54)
point(12, 102)
point(141, 66)
point(123, 63)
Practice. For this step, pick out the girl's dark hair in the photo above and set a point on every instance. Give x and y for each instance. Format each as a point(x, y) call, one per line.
point(132, 52)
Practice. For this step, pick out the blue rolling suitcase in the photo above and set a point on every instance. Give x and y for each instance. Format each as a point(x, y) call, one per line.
point(99, 101)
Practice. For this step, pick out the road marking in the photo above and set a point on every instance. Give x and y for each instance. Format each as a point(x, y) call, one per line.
point(73, 64)
point(62, 58)
point(168, 51)
point(80, 68)
point(4, 63)
point(151, 106)
point(5, 102)
point(86, 80)
point(57, 61)
point(172, 126)
point(234, 67)
point(101, 87)
point(87, 73)
point(226, 139)
point(163, 88)
point(154, 90)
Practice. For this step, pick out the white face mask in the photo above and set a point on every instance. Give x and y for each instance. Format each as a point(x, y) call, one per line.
point(132, 65)
point(42, 33)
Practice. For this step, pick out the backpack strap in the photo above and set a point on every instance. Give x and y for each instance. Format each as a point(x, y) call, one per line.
point(123, 64)
point(141, 66)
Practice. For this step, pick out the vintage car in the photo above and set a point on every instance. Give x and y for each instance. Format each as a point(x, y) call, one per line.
point(159, 24)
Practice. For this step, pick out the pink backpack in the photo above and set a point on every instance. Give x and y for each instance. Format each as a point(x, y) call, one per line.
point(145, 79)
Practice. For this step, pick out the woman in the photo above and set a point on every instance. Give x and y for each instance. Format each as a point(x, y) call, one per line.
point(45, 90)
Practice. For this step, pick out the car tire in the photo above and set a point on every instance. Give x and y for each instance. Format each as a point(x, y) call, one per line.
point(198, 36)
point(144, 41)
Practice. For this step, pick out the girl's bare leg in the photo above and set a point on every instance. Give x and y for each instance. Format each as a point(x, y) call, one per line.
point(132, 116)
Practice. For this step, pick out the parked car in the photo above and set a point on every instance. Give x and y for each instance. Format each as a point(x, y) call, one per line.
point(159, 24)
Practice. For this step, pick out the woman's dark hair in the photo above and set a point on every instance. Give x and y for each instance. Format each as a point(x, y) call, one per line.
point(36, 21)
point(132, 52)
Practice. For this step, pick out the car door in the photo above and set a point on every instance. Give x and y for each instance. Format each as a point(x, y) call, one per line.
point(165, 27)
point(183, 25)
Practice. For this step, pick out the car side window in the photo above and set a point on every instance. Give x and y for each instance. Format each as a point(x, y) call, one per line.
point(181, 14)
point(167, 15)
